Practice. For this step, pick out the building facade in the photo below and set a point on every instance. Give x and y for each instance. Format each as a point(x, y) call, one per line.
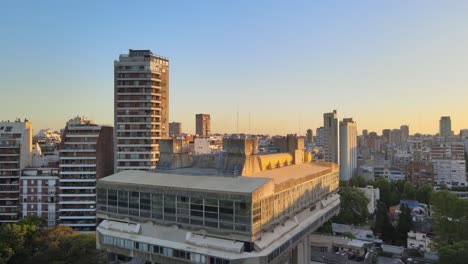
point(348, 149)
point(419, 173)
point(175, 129)
point(188, 215)
point(15, 155)
point(203, 125)
point(449, 164)
point(38, 193)
point(86, 155)
point(141, 109)
point(331, 142)
point(445, 127)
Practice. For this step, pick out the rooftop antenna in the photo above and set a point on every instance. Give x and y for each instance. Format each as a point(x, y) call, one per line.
point(237, 125)
point(250, 133)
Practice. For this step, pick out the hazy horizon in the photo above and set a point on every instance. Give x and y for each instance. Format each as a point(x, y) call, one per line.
point(384, 64)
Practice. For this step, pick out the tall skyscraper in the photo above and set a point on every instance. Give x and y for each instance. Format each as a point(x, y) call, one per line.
point(86, 155)
point(320, 136)
point(141, 109)
point(175, 129)
point(203, 124)
point(445, 126)
point(331, 145)
point(310, 136)
point(386, 135)
point(404, 132)
point(15, 155)
point(348, 149)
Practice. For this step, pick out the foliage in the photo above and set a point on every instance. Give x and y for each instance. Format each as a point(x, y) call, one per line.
point(451, 217)
point(383, 227)
point(408, 191)
point(454, 254)
point(25, 242)
point(357, 181)
point(353, 207)
point(424, 193)
point(403, 226)
point(349, 235)
point(326, 228)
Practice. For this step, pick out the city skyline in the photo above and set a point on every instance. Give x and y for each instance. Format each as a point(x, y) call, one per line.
point(281, 65)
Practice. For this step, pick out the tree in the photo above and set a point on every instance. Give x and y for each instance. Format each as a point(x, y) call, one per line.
point(353, 207)
point(357, 181)
point(383, 227)
point(408, 191)
point(451, 217)
point(384, 187)
point(424, 192)
point(454, 254)
point(403, 226)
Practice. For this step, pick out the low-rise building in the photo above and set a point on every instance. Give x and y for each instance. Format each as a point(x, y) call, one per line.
point(419, 241)
point(38, 192)
point(210, 215)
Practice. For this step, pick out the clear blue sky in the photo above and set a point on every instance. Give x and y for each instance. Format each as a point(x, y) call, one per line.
point(384, 63)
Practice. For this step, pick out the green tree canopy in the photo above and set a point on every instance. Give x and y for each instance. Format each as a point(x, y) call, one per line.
point(353, 207)
point(424, 192)
point(383, 227)
point(451, 217)
point(357, 181)
point(454, 254)
point(408, 191)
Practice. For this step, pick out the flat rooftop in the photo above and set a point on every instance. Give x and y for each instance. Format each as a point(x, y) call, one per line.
point(245, 185)
point(293, 172)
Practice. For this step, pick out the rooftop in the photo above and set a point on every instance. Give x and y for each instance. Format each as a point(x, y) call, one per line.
point(203, 183)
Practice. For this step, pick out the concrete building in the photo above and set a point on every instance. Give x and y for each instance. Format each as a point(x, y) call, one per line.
point(419, 173)
point(141, 109)
point(373, 195)
point(449, 164)
point(320, 137)
point(386, 135)
point(86, 155)
point(348, 149)
point(404, 132)
point(419, 241)
point(15, 155)
point(203, 124)
point(396, 137)
point(445, 127)
point(331, 143)
point(310, 136)
point(38, 193)
point(175, 129)
point(210, 215)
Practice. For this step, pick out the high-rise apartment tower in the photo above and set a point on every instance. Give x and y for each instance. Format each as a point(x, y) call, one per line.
point(445, 126)
point(203, 124)
point(331, 145)
point(141, 109)
point(348, 149)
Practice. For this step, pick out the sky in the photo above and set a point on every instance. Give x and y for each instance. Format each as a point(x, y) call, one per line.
point(278, 65)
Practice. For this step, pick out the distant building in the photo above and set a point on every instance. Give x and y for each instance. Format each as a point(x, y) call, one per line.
point(386, 135)
point(310, 136)
point(85, 156)
point(449, 164)
point(203, 124)
point(373, 195)
point(15, 155)
point(207, 214)
point(141, 109)
point(38, 192)
point(320, 136)
point(404, 132)
point(419, 173)
point(331, 142)
point(396, 137)
point(175, 129)
point(348, 149)
point(445, 127)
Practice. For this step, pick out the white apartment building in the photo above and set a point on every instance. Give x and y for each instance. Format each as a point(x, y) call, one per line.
point(38, 192)
point(86, 155)
point(348, 149)
point(15, 155)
